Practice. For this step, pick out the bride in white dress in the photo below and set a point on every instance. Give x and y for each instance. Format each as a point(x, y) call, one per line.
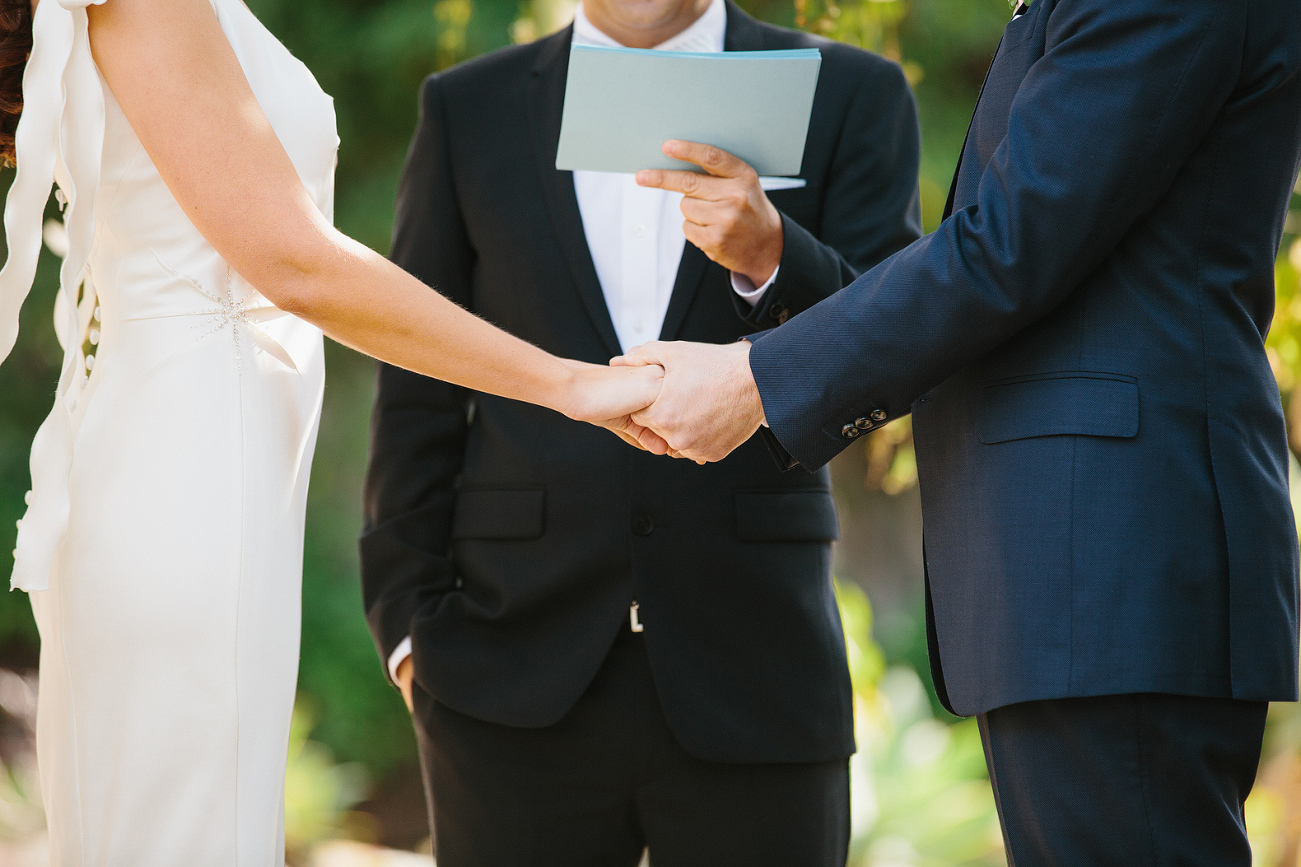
point(163, 543)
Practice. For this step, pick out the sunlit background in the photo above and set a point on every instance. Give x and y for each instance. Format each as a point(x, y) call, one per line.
point(920, 796)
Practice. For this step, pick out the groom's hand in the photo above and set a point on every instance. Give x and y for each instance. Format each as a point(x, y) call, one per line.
point(708, 403)
point(728, 215)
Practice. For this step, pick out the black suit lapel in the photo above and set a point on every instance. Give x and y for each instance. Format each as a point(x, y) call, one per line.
point(546, 100)
point(690, 272)
point(743, 34)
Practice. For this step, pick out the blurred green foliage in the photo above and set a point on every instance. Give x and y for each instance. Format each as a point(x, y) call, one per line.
point(318, 791)
point(920, 793)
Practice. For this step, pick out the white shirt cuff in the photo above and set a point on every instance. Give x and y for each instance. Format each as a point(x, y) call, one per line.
point(402, 652)
point(744, 286)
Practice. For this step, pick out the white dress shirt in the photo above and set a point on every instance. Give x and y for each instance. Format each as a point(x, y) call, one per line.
point(635, 233)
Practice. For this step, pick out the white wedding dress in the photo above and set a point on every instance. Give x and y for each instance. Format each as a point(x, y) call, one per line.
point(163, 544)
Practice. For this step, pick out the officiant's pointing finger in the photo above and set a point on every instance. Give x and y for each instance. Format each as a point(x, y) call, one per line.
point(728, 215)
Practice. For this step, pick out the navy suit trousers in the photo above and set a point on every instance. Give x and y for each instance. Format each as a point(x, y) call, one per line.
point(1124, 780)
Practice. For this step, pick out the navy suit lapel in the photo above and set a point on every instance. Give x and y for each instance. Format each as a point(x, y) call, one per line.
point(546, 99)
point(1025, 20)
point(743, 34)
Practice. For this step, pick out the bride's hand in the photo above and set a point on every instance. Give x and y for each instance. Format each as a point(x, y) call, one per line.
point(607, 397)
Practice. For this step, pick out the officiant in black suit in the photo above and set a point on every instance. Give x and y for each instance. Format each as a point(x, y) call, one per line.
point(608, 650)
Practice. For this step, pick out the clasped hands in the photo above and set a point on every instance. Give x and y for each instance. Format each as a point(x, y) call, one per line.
point(708, 403)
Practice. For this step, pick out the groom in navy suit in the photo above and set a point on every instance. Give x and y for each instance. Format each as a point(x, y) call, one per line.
point(1110, 550)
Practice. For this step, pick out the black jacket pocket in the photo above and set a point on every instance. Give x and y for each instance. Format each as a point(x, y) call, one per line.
point(786, 516)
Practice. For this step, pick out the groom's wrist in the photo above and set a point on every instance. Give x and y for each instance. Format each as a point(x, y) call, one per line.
point(750, 388)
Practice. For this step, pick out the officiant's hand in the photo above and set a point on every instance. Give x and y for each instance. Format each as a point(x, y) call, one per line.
point(708, 404)
point(406, 675)
point(728, 215)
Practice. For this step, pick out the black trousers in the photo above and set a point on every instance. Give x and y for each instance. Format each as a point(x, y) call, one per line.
point(1124, 780)
point(610, 780)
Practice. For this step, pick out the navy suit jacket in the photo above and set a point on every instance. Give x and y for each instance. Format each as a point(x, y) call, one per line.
point(1099, 438)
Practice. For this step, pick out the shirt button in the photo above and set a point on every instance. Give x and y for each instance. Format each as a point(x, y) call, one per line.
point(849, 431)
point(27, 498)
point(638, 231)
point(643, 525)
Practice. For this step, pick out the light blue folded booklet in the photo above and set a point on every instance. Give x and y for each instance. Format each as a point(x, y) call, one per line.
point(622, 104)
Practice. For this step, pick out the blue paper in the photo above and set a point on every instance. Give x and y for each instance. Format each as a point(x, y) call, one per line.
point(622, 104)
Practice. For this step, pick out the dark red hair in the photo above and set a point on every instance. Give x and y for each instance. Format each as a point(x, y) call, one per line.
point(15, 48)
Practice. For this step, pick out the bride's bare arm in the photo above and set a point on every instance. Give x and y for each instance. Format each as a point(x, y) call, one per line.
point(180, 85)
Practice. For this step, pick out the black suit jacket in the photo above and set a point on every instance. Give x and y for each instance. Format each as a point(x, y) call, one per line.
point(509, 541)
point(1100, 440)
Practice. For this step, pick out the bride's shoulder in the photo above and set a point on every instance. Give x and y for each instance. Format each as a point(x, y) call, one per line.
point(73, 5)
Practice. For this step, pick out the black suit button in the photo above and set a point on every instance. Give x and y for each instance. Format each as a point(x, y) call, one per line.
point(643, 525)
point(780, 313)
point(864, 424)
point(879, 415)
point(849, 431)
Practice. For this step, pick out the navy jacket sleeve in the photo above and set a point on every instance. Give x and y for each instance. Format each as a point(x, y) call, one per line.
point(870, 207)
point(419, 425)
point(1097, 134)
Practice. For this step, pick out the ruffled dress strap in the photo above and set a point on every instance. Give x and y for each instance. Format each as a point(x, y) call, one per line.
point(62, 119)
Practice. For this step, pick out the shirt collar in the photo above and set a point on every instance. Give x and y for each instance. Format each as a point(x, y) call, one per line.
point(705, 34)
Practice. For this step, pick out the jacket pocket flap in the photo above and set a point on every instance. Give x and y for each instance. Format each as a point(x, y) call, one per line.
point(1079, 404)
point(499, 514)
point(786, 516)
